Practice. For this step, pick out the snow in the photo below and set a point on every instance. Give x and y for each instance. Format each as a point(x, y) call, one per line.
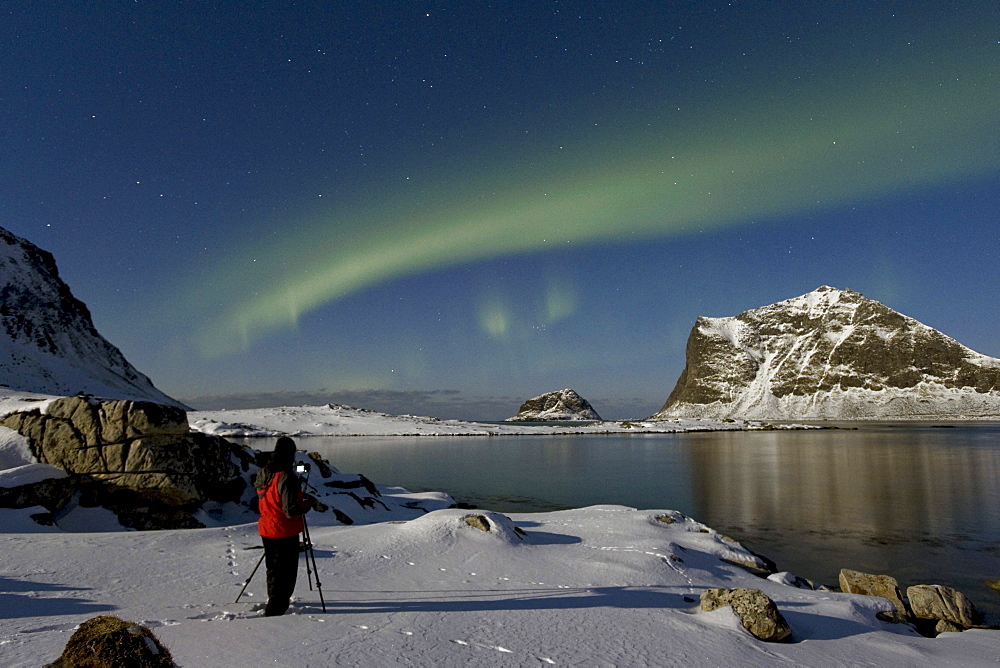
point(729, 329)
point(13, 401)
point(602, 585)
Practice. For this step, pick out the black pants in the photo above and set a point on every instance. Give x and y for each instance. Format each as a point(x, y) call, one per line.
point(281, 556)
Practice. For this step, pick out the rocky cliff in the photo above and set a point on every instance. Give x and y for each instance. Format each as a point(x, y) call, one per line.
point(830, 354)
point(48, 343)
point(554, 407)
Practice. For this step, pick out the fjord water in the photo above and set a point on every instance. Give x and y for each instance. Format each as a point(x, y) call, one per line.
point(917, 501)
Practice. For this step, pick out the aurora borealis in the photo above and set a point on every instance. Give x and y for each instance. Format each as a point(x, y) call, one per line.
point(474, 204)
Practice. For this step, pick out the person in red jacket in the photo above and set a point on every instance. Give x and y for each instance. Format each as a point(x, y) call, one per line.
point(282, 504)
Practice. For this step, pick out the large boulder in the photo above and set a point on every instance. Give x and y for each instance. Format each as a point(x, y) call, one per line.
point(110, 641)
point(757, 612)
point(942, 603)
point(138, 458)
point(866, 584)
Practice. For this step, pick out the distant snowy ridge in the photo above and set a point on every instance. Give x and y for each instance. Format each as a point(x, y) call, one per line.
point(48, 342)
point(337, 420)
point(830, 354)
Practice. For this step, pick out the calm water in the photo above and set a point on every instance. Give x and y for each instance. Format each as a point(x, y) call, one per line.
point(921, 503)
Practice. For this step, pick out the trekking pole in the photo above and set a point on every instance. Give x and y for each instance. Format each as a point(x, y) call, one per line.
point(311, 554)
point(259, 562)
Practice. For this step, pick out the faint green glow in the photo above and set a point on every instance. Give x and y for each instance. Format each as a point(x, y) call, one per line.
point(779, 157)
point(560, 302)
point(495, 320)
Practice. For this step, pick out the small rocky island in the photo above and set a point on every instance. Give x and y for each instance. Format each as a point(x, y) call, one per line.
point(563, 405)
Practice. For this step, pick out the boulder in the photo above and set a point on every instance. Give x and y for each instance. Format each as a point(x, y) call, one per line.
point(110, 641)
point(942, 603)
point(757, 612)
point(883, 586)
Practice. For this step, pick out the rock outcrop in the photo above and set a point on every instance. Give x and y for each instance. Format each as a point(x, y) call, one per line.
point(829, 354)
point(141, 461)
point(137, 458)
point(931, 609)
point(48, 342)
point(555, 407)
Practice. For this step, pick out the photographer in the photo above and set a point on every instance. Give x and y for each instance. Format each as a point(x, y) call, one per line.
point(282, 504)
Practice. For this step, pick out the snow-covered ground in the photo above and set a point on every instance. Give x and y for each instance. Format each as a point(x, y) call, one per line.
point(336, 420)
point(604, 585)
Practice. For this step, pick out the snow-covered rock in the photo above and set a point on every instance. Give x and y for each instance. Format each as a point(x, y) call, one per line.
point(555, 407)
point(48, 342)
point(830, 354)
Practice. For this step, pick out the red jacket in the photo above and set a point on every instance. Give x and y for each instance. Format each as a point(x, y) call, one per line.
point(281, 504)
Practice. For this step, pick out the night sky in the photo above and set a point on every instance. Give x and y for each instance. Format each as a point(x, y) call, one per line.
point(446, 208)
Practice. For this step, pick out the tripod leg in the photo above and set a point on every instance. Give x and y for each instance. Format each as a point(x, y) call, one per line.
point(319, 587)
point(311, 554)
point(259, 562)
point(307, 545)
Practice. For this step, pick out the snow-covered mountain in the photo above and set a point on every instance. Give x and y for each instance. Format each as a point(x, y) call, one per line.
point(48, 343)
point(555, 406)
point(830, 354)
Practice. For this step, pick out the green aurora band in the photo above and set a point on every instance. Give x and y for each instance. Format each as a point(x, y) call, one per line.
point(775, 158)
